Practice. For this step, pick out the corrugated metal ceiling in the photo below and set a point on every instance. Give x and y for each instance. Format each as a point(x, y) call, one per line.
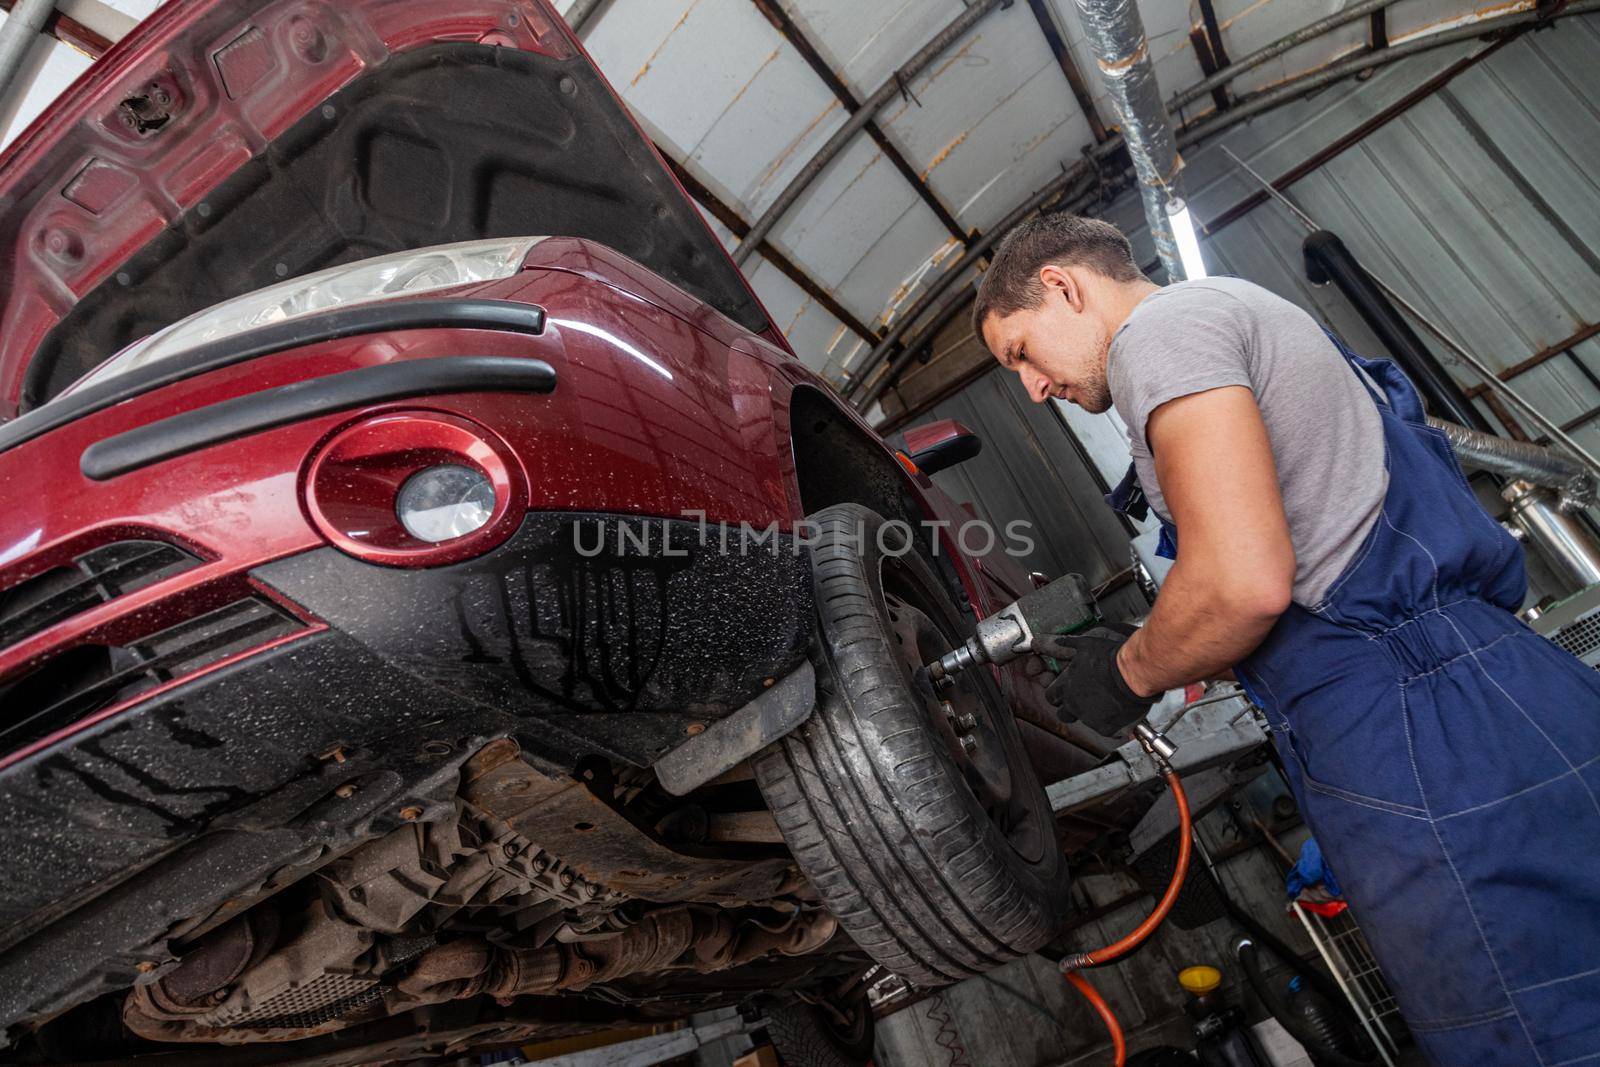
point(985, 124)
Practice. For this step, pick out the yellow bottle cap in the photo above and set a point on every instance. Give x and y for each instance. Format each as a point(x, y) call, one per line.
point(1200, 980)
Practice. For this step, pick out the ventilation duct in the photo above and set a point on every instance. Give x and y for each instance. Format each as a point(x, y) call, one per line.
point(1520, 460)
point(1116, 33)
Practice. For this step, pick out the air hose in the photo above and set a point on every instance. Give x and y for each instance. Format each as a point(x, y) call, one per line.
point(1073, 963)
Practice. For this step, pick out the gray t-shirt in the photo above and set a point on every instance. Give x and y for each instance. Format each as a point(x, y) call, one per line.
point(1326, 434)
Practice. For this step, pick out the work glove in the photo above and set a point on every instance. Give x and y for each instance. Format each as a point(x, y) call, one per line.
point(1090, 688)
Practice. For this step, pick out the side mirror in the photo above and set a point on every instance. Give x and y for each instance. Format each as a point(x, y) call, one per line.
point(941, 445)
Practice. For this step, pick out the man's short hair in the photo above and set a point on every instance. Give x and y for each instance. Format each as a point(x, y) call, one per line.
point(1012, 284)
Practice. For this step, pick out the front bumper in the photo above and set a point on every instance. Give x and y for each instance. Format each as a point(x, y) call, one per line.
point(208, 787)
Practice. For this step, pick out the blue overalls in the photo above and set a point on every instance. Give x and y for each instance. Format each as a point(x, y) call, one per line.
point(1447, 758)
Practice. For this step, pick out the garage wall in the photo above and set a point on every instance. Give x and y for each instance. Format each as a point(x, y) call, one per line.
point(1031, 470)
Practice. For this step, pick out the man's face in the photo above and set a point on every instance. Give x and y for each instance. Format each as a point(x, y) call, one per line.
point(1058, 349)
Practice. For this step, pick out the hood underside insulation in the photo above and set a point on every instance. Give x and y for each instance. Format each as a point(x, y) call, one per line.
point(448, 143)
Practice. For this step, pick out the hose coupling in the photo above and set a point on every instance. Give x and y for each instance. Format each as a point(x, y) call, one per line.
point(1155, 742)
point(1076, 961)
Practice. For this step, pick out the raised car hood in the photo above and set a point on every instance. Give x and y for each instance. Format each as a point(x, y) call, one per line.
point(223, 146)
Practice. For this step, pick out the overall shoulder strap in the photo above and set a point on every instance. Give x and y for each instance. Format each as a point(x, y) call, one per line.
point(1375, 374)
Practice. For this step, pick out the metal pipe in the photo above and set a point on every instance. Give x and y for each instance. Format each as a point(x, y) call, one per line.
point(1492, 380)
point(1246, 107)
point(1276, 49)
point(22, 28)
point(1560, 537)
point(1328, 260)
point(583, 12)
point(774, 12)
point(1519, 460)
point(869, 108)
point(1052, 189)
point(1045, 16)
point(1115, 32)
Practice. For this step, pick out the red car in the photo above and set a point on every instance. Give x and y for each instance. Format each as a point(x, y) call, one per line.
point(412, 637)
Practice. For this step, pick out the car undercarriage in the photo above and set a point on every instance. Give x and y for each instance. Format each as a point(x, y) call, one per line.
point(468, 907)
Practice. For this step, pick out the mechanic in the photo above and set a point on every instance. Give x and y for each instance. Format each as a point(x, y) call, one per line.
point(1329, 553)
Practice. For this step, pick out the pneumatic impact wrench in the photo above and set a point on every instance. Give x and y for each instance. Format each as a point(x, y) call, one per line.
point(1063, 606)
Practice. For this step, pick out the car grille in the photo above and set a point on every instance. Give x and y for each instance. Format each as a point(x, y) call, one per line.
point(97, 576)
point(81, 680)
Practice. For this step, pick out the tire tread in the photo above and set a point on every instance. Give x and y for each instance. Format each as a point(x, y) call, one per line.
point(911, 868)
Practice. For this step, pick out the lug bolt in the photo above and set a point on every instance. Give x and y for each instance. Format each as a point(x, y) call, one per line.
point(969, 744)
point(346, 791)
point(966, 721)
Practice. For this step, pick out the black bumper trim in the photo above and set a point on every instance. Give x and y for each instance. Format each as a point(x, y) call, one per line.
point(271, 408)
point(503, 315)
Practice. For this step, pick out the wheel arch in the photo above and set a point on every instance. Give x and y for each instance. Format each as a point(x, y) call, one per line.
point(838, 461)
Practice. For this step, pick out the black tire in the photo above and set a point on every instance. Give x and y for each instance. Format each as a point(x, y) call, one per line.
point(879, 802)
point(808, 1036)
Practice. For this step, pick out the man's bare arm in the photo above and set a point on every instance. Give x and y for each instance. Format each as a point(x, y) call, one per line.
point(1235, 568)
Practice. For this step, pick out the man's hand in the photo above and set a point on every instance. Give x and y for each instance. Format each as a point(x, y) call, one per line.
point(1090, 688)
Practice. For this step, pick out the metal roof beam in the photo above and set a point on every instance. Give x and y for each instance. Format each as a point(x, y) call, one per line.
point(1206, 40)
point(1275, 49)
point(1284, 92)
point(78, 33)
point(775, 14)
point(22, 27)
point(895, 85)
point(1078, 178)
point(725, 214)
point(583, 14)
point(1058, 48)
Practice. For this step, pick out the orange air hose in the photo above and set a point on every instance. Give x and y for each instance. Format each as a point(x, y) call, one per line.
point(1070, 965)
point(1119, 1048)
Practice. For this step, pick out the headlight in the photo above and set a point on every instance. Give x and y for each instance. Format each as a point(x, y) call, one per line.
point(444, 502)
point(403, 273)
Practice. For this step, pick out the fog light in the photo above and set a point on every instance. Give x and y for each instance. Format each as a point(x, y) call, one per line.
point(445, 502)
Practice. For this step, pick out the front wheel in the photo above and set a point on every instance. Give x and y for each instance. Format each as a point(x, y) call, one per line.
point(917, 817)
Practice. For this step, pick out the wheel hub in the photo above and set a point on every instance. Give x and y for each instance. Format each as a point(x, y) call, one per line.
point(963, 719)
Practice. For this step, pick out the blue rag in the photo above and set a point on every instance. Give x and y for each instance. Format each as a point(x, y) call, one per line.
point(1310, 869)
